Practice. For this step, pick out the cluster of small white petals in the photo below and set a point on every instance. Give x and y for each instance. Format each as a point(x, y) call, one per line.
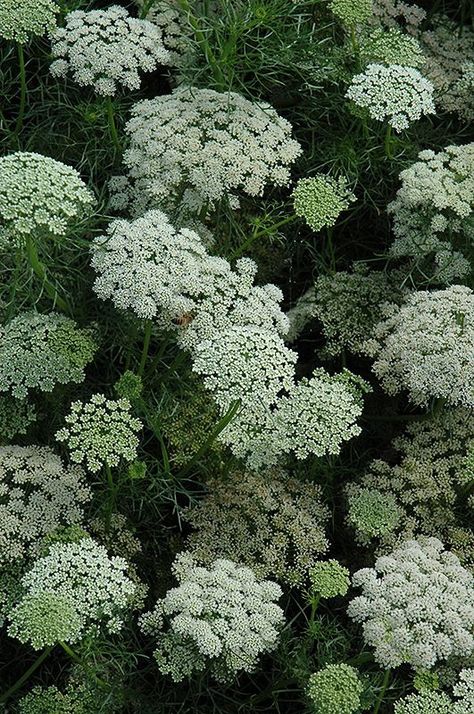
point(271, 522)
point(426, 703)
point(39, 351)
point(38, 494)
point(396, 13)
point(172, 22)
point(390, 47)
point(16, 415)
point(220, 616)
point(417, 605)
point(195, 146)
point(335, 689)
point(19, 19)
point(434, 202)
point(106, 49)
point(351, 12)
point(463, 690)
point(101, 431)
point(450, 51)
point(397, 94)
point(426, 347)
point(39, 195)
point(82, 582)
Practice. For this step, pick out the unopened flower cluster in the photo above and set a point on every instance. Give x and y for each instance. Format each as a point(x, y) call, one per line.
point(19, 19)
point(321, 199)
point(271, 522)
point(38, 494)
point(106, 49)
point(39, 196)
point(426, 346)
point(100, 431)
point(372, 513)
point(219, 617)
point(329, 578)
point(39, 351)
point(391, 46)
point(70, 592)
point(351, 12)
point(196, 146)
point(417, 605)
point(50, 700)
point(335, 688)
point(396, 94)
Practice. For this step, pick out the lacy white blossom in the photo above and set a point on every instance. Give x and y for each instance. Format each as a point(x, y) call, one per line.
point(219, 617)
point(100, 431)
point(19, 19)
point(321, 199)
point(39, 351)
point(417, 605)
point(74, 700)
point(106, 49)
point(425, 703)
point(69, 593)
point(336, 688)
point(450, 50)
point(390, 47)
point(426, 347)
point(463, 690)
point(169, 18)
point(435, 201)
point(271, 522)
point(396, 94)
point(39, 195)
point(38, 494)
point(16, 415)
point(396, 13)
point(195, 146)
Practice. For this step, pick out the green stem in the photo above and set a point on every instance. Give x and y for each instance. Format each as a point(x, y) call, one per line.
point(70, 652)
point(354, 43)
point(206, 48)
point(146, 346)
point(381, 696)
point(40, 271)
point(388, 142)
point(21, 114)
point(112, 496)
point(6, 695)
point(330, 247)
point(112, 125)
point(314, 606)
point(264, 231)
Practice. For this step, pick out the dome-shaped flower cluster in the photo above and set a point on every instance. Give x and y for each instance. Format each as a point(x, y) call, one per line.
point(106, 49)
point(425, 703)
point(329, 578)
point(19, 19)
point(219, 617)
point(391, 46)
point(196, 146)
point(101, 431)
point(39, 196)
point(336, 688)
point(321, 199)
point(397, 94)
point(426, 347)
point(70, 592)
point(417, 605)
point(38, 494)
point(39, 351)
point(170, 18)
point(352, 12)
point(271, 522)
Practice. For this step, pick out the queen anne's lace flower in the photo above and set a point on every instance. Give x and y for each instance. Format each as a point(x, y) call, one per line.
point(425, 703)
point(70, 592)
point(391, 47)
point(39, 195)
point(106, 49)
point(351, 12)
point(396, 94)
point(321, 199)
point(101, 431)
point(195, 146)
point(336, 688)
point(396, 13)
point(75, 700)
point(21, 18)
point(220, 616)
point(16, 415)
point(170, 19)
point(38, 494)
point(426, 347)
point(39, 351)
point(329, 579)
point(270, 522)
point(371, 512)
point(417, 605)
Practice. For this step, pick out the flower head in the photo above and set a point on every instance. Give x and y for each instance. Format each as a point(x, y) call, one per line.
point(352, 12)
point(19, 19)
point(336, 688)
point(329, 578)
point(321, 199)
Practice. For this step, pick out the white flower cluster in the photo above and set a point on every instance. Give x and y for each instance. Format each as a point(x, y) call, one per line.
point(438, 702)
point(170, 19)
point(426, 347)
point(234, 332)
point(463, 690)
point(221, 617)
point(271, 522)
point(16, 415)
point(417, 605)
point(434, 202)
point(351, 12)
point(397, 94)
point(106, 49)
point(396, 13)
point(39, 195)
point(100, 431)
point(448, 66)
point(69, 593)
point(195, 146)
point(38, 494)
point(39, 351)
point(19, 19)
point(391, 46)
